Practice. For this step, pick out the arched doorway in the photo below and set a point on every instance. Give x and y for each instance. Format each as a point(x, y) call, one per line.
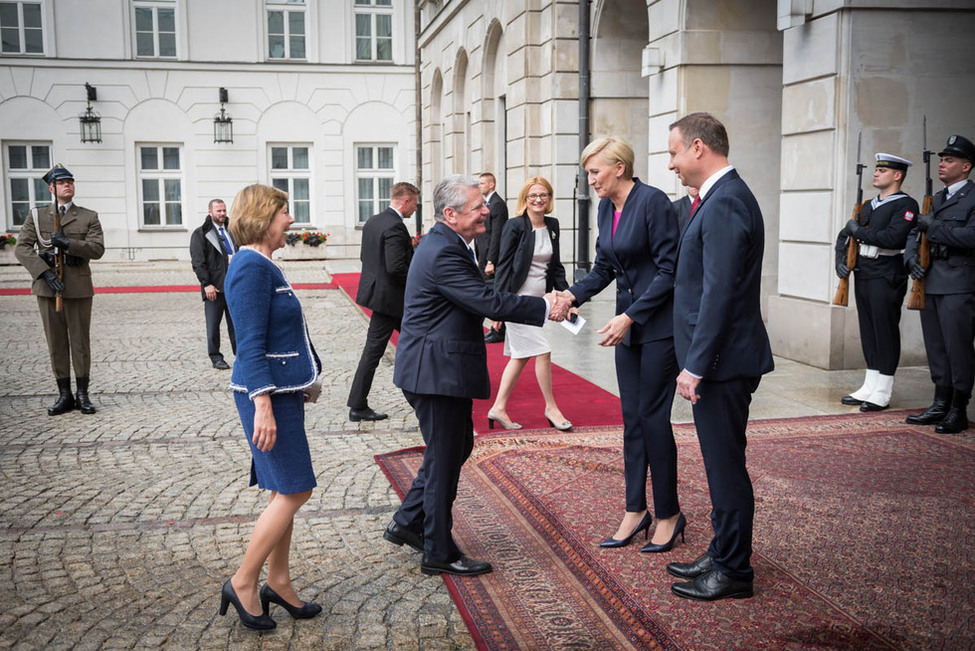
point(620, 95)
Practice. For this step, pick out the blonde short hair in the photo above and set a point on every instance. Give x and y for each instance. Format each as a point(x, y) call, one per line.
point(254, 208)
point(613, 150)
point(522, 206)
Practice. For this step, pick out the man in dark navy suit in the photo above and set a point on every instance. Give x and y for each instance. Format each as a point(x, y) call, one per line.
point(441, 365)
point(211, 247)
point(948, 319)
point(722, 346)
point(386, 252)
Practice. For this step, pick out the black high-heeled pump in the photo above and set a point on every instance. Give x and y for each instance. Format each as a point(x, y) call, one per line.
point(643, 526)
point(306, 611)
point(667, 546)
point(261, 622)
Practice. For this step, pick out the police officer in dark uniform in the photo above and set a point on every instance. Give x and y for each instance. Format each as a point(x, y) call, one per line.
point(948, 319)
point(67, 329)
point(881, 280)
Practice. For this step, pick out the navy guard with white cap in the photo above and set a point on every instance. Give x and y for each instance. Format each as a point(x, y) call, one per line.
point(80, 239)
point(881, 280)
point(948, 318)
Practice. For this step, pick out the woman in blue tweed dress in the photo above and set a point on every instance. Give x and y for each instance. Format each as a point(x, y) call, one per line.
point(275, 373)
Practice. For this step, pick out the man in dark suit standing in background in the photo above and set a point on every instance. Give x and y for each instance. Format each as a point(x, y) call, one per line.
point(385, 253)
point(211, 247)
point(441, 365)
point(488, 245)
point(722, 346)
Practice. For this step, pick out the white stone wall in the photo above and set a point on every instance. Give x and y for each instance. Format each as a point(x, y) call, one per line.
point(328, 102)
point(872, 71)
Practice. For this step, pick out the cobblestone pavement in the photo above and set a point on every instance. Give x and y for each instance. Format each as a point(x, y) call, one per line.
point(118, 529)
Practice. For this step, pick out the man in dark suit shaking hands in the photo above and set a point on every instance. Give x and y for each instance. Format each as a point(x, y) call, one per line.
point(385, 253)
point(722, 346)
point(441, 365)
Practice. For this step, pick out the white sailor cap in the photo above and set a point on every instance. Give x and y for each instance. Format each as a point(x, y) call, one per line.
point(893, 162)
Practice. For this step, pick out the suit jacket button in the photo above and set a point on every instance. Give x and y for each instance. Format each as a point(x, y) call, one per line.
point(284, 362)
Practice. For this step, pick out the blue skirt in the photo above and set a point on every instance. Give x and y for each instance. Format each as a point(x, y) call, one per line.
point(286, 468)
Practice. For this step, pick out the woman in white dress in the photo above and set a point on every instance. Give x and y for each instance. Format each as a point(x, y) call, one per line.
point(529, 265)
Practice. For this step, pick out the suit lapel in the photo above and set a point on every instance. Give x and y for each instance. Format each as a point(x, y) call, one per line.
point(693, 218)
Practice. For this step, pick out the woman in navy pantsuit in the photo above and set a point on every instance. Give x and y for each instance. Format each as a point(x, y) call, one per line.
point(636, 247)
point(275, 373)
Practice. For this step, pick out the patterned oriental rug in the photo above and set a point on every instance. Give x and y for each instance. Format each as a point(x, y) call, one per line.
point(863, 540)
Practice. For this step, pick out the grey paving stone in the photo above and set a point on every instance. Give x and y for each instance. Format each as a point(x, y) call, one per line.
point(118, 529)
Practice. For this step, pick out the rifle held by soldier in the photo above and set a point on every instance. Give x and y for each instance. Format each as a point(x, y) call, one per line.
point(915, 300)
point(842, 296)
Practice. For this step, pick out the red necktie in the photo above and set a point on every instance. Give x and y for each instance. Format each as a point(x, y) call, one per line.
point(694, 203)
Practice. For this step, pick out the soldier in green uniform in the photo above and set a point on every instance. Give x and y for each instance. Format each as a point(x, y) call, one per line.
point(80, 240)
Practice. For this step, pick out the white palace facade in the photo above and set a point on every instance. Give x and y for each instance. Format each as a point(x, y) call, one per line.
point(320, 94)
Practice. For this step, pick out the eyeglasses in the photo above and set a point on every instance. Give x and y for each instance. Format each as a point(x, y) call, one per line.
point(539, 197)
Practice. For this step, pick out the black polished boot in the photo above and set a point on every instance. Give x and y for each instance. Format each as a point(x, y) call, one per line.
point(937, 410)
point(84, 404)
point(65, 401)
point(956, 419)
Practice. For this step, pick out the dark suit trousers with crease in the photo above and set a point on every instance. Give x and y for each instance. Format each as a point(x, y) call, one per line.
point(381, 328)
point(721, 416)
point(448, 431)
point(214, 311)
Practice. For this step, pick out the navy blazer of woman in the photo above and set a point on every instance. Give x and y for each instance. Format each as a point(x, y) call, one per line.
point(274, 351)
point(517, 251)
point(640, 258)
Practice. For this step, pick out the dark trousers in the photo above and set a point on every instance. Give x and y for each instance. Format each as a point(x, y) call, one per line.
point(948, 325)
point(214, 311)
point(381, 328)
point(646, 375)
point(448, 432)
point(721, 416)
point(67, 334)
point(879, 303)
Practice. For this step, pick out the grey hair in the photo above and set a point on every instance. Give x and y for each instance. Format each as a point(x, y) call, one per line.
point(452, 193)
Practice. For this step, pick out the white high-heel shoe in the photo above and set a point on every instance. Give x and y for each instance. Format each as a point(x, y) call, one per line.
point(506, 424)
point(563, 426)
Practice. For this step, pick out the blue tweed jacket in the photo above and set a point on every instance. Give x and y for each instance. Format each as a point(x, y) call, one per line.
point(274, 351)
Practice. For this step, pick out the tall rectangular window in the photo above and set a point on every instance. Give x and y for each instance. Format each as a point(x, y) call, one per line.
point(374, 178)
point(26, 164)
point(161, 185)
point(155, 28)
point(373, 30)
point(286, 29)
point(21, 28)
point(291, 172)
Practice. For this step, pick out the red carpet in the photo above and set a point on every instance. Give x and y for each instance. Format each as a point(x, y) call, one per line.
point(863, 537)
point(152, 289)
point(581, 401)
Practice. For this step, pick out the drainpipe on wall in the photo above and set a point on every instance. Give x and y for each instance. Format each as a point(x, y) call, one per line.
point(582, 186)
point(418, 100)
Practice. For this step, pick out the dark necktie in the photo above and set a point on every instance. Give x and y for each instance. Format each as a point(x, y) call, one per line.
point(226, 243)
point(61, 211)
point(944, 195)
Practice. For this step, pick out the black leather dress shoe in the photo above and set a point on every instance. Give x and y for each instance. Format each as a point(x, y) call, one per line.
point(691, 570)
point(463, 566)
point(356, 415)
point(221, 364)
point(871, 406)
point(851, 401)
point(712, 586)
point(400, 535)
point(493, 337)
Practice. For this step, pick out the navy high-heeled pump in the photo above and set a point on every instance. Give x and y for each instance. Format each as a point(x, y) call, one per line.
point(260, 622)
point(306, 611)
point(643, 526)
point(667, 546)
